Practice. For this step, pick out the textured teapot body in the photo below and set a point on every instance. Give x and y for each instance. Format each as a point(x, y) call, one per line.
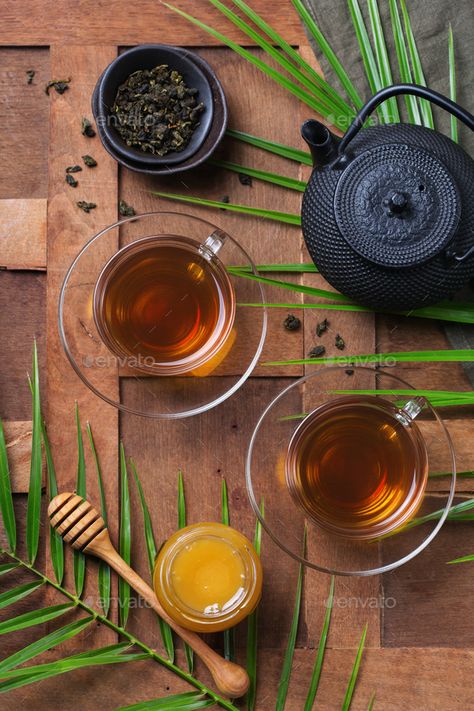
point(390, 223)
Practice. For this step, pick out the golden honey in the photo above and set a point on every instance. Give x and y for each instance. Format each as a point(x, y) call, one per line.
point(208, 577)
point(357, 466)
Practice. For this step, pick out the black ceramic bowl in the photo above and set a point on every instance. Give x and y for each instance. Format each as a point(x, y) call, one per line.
point(196, 73)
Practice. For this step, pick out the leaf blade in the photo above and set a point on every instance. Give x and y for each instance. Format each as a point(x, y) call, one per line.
point(189, 701)
point(355, 671)
point(281, 180)
point(404, 63)
point(279, 149)
point(252, 628)
point(104, 576)
point(318, 663)
point(56, 544)
point(18, 593)
point(452, 83)
point(34, 617)
point(440, 356)
point(181, 524)
point(229, 635)
point(418, 74)
point(78, 557)
point(124, 537)
point(36, 468)
point(381, 54)
point(6, 495)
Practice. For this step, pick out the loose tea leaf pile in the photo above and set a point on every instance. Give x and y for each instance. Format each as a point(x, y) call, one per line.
point(155, 111)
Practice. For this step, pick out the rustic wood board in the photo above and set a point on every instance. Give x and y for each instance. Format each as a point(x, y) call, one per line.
point(416, 635)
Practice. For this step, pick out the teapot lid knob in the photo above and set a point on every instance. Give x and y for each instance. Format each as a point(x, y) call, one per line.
point(397, 203)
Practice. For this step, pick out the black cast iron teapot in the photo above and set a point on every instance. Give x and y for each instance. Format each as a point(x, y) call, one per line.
point(388, 214)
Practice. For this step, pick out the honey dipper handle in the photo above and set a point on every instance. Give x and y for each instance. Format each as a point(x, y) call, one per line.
point(231, 679)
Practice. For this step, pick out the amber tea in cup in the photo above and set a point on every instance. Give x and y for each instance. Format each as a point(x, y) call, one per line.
point(165, 304)
point(358, 466)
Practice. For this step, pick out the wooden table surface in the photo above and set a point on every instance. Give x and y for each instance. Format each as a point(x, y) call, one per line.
point(420, 624)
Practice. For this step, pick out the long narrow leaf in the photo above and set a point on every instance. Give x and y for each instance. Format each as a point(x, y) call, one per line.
point(300, 288)
point(36, 468)
point(290, 647)
point(34, 617)
point(56, 545)
point(326, 103)
point(329, 53)
point(318, 664)
point(124, 537)
point(42, 645)
point(165, 629)
point(252, 628)
point(274, 178)
point(181, 524)
point(371, 702)
point(78, 557)
point(7, 567)
point(274, 74)
point(464, 559)
point(418, 73)
point(18, 593)
point(229, 635)
point(287, 217)
point(404, 63)
point(104, 577)
point(299, 268)
point(355, 671)
point(441, 356)
point(190, 701)
point(278, 40)
point(279, 149)
point(383, 61)
point(452, 82)
point(368, 58)
point(6, 497)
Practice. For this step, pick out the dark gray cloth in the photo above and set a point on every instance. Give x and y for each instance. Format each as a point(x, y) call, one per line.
point(430, 21)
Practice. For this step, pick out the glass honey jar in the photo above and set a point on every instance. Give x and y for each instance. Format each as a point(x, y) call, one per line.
point(208, 577)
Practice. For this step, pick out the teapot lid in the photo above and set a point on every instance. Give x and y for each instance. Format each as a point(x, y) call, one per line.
point(397, 205)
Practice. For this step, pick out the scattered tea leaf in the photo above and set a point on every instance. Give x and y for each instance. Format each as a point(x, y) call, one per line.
point(126, 210)
point(349, 371)
point(292, 323)
point(245, 179)
point(86, 128)
point(30, 75)
point(322, 327)
point(86, 206)
point(60, 85)
point(71, 181)
point(316, 352)
point(89, 161)
point(340, 342)
point(73, 169)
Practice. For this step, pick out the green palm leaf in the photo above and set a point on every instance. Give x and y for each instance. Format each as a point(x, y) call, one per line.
point(78, 557)
point(34, 617)
point(299, 268)
point(124, 537)
point(252, 628)
point(328, 52)
point(6, 496)
point(165, 629)
point(45, 643)
point(418, 73)
point(229, 635)
point(279, 149)
point(181, 524)
point(56, 545)
point(404, 63)
point(104, 576)
point(452, 82)
point(355, 671)
point(371, 702)
point(290, 647)
point(190, 701)
point(318, 664)
point(36, 468)
point(382, 57)
point(460, 356)
point(18, 593)
point(464, 559)
point(282, 180)
point(7, 567)
point(287, 217)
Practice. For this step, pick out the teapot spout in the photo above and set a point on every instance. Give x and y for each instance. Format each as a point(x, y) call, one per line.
point(322, 143)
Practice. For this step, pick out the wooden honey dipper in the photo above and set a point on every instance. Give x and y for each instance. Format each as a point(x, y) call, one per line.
point(80, 525)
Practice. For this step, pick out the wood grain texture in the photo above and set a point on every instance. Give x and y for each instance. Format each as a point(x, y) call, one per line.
point(23, 234)
point(69, 229)
point(24, 115)
point(91, 23)
point(18, 437)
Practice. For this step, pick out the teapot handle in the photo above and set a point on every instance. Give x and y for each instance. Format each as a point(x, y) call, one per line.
point(414, 89)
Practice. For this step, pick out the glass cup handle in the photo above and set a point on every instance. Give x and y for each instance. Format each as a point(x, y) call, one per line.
point(411, 409)
point(213, 244)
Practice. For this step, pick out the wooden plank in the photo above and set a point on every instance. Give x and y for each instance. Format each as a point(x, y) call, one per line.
point(462, 433)
point(18, 437)
point(266, 242)
point(22, 318)
point(92, 23)
point(23, 234)
point(68, 230)
point(24, 114)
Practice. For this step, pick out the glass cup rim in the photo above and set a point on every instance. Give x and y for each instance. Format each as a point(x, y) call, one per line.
point(346, 573)
point(217, 339)
point(189, 412)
